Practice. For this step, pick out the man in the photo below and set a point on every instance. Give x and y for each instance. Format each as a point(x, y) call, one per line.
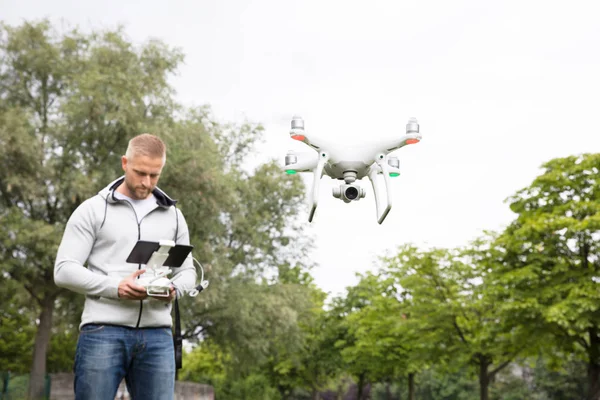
point(124, 333)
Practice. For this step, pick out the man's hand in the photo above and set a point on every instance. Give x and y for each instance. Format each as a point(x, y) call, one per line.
point(166, 299)
point(128, 289)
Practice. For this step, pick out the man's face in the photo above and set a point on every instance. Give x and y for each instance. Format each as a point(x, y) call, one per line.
point(141, 175)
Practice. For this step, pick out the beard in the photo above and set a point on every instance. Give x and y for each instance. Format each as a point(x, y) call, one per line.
point(138, 192)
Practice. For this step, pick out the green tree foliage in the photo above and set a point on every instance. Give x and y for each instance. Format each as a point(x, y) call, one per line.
point(206, 363)
point(303, 362)
point(536, 378)
point(550, 266)
point(243, 225)
point(375, 346)
point(439, 383)
point(310, 365)
point(566, 382)
point(17, 328)
point(450, 310)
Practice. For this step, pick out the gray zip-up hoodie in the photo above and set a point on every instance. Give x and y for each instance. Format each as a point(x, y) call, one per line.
point(101, 233)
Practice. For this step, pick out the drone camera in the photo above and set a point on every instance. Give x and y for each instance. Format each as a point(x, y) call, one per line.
point(348, 193)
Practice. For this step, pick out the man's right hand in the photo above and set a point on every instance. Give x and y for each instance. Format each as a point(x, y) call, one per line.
point(128, 289)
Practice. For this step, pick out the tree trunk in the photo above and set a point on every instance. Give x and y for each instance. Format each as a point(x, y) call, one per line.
point(315, 386)
point(340, 391)
point(484, 379)
point(388, 391)
point(594, 384)
point(360, 387)
point(411, 386)
point(315, 394)
point(40, 349)
point(593, 365)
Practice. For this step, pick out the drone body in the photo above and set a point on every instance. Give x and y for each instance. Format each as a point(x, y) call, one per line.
point(349, 164)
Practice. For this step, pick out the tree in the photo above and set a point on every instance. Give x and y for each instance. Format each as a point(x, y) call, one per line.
point(536, 378)
point(550, 266)
point(320, 360)
point(451, 311)
point(315, 360)
point(375, 346)
point(17, 328)
point(206, 363)
point(246, 227)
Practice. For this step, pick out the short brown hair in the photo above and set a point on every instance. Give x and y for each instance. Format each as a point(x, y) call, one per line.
point(146, 145)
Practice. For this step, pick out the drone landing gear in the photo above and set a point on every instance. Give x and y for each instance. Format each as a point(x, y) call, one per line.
point(382, 166)
point(323, 158)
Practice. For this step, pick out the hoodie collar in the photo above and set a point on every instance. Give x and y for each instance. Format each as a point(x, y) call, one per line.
point(162, 199)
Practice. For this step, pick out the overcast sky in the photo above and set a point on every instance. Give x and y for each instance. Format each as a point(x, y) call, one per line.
point(497, 87)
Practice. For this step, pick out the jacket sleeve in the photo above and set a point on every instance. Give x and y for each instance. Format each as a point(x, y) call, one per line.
point(73, 252)
point(184, 277)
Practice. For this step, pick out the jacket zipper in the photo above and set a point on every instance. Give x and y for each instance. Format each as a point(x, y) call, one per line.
point(139, 225)
point(137, 325)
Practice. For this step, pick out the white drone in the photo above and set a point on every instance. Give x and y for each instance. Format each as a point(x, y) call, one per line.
point(349, 163)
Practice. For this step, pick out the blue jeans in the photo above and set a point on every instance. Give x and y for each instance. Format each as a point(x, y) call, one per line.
point(106, 354)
